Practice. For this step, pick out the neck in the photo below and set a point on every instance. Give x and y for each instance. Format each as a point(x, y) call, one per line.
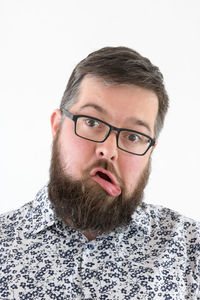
point(90, 235)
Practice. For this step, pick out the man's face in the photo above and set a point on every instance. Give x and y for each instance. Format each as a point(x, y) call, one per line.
point(124, 106)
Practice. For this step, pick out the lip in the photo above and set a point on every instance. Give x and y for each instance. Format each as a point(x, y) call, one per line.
point(109, 174)
point(112, 188)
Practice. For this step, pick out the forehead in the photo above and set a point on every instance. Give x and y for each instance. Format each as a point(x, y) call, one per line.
point(118, 104)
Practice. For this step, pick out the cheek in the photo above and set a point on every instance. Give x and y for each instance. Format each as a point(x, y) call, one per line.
point(75, 154)
point(132, 169)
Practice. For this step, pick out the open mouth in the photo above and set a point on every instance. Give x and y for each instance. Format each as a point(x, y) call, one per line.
point(103, 176)
point(106, 180)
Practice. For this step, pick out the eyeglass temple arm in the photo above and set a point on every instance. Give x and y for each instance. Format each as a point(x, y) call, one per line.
point(67, 113)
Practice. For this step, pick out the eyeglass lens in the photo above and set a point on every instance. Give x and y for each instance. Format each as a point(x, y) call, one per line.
point(95, 130)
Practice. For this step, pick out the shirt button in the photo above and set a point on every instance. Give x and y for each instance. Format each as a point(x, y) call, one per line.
point(90, 246)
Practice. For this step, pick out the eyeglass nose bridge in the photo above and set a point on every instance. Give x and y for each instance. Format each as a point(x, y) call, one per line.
point(112, 128)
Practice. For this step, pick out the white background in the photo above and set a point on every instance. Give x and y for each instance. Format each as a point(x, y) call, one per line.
point(41, 41)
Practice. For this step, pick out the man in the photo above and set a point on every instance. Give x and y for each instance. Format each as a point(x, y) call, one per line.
point(88, 234)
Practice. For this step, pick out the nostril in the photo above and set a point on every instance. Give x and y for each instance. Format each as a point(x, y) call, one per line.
point(103, 151)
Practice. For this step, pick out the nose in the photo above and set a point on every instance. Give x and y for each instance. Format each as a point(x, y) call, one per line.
point(108, 149)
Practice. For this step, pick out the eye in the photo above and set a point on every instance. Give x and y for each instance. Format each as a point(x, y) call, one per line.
point(92, 122)
point(133, 138)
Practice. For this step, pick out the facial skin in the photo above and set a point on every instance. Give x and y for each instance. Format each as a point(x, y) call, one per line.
point(124, 106)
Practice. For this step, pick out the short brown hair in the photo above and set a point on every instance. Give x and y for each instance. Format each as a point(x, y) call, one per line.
point(119, 65)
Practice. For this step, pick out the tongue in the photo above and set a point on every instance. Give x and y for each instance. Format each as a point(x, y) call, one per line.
point(112, 189)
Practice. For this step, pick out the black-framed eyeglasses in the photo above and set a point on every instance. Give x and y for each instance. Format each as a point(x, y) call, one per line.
point(96, 130)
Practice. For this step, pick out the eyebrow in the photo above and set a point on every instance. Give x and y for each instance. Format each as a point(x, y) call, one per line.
point(95, 106)
point(131, 119)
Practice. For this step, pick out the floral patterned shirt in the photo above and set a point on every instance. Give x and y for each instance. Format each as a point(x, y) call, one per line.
point(157, 256)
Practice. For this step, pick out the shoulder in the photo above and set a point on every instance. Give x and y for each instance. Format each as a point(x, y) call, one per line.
point(173, 228)
point(14, 222)
point(162, 217)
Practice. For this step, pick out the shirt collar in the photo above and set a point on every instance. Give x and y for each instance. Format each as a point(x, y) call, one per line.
point(43, 215)
point(141, 219)
point(42, 211)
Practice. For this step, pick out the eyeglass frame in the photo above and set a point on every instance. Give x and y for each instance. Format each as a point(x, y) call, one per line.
point(111, 128)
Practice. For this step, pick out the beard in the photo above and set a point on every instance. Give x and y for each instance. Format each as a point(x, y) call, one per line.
point(84, 204)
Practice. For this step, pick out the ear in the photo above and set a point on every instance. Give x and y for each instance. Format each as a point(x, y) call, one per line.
point(55, 121)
